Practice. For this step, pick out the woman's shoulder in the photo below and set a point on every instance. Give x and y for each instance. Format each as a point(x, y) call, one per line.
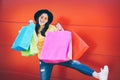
point(52, 27)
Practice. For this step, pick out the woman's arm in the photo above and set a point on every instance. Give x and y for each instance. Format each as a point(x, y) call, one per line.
point(35, 37)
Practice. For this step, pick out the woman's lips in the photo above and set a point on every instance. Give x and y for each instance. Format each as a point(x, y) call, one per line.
point(41, 21)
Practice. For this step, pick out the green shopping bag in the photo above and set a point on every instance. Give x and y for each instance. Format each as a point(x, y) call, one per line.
point(32, 48)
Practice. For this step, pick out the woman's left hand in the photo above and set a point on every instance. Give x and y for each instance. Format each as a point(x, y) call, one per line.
point(59, 27)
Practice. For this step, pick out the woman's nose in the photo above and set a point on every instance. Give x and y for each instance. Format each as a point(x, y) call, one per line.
point(43, 19)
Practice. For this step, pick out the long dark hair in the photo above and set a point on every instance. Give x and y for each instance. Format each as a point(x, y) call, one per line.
point(36, 18)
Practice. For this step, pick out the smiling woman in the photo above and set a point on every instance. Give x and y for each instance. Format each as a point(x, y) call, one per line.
point(43, 20)
point(96, 21)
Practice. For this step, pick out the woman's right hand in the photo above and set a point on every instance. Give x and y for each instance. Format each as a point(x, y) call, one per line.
point(30, 21)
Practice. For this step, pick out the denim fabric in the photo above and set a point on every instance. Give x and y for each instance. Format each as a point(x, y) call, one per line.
point(46, 69)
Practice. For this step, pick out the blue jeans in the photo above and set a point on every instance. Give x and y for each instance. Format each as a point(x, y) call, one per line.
point(46, 68)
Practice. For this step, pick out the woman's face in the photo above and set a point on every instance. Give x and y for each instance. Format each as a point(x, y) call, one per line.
point(43, 19)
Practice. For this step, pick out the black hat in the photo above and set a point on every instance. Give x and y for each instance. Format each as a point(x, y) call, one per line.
point(40, 12)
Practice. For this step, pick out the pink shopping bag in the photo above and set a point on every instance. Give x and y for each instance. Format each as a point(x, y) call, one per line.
point(56, 47)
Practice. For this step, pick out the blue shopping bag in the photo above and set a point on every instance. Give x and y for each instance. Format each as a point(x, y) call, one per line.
point(32, 48)
point(23, 39)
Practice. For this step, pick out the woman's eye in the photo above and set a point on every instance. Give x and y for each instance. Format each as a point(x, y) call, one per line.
point(45, 18)
point(41, 17)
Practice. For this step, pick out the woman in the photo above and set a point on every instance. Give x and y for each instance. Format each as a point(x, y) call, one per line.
point(43, 20)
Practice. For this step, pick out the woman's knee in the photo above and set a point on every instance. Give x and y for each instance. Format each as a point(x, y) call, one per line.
point(76, 62)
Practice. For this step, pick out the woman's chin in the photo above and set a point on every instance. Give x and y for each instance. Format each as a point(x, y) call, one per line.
point(42, 24)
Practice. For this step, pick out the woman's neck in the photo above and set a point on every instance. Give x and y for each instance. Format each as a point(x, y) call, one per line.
point(41, 27)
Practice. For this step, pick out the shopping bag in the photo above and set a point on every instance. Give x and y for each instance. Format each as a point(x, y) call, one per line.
point(56, 47)
point(22, 41)
point(32, 48)
point(79, 46)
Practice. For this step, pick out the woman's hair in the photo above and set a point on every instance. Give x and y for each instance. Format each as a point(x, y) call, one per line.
point(36, 18)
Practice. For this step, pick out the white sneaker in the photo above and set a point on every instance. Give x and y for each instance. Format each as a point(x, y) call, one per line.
point(104, 73)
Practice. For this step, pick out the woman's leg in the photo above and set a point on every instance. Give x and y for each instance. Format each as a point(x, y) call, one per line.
point(103, 75)
point(45, 70)
point(78, 66)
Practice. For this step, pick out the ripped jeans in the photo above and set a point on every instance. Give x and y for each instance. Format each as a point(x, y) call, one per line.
point(46, 68)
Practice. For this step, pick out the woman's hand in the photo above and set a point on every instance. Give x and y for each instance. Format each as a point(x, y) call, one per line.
point(30, 21)
point(59, 27)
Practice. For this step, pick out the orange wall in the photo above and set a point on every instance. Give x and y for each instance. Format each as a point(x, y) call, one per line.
point(96, 21)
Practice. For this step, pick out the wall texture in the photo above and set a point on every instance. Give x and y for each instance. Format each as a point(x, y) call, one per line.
point(96, 21)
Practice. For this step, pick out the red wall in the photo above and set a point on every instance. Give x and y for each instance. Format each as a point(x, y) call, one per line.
point(96, 21)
